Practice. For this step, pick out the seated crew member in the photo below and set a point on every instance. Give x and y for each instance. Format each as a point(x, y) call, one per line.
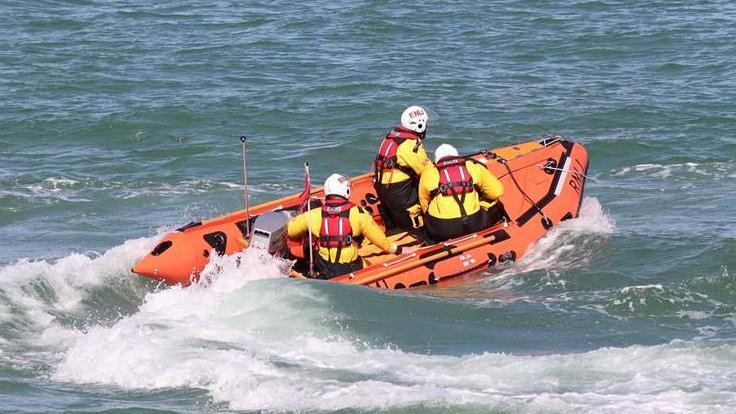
point(450, 195)
point(400, 161)
point(337, 224)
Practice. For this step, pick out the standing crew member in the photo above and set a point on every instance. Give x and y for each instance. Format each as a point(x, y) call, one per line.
point(400, 161)
point(450, 195)
point(338, 223)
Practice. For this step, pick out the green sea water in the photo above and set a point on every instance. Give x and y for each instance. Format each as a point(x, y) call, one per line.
point(119, 121)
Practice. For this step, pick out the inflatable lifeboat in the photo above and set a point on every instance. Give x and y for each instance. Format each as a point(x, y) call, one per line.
point(543, 185)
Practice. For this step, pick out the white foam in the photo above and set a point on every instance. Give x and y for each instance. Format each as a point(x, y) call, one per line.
point(39, 288)
point(561, 248)
point(58, 183)
point(250, 372)
point(59, 188)
point(694, 315)
point(49, 189)
point(257, 341)
point(714, 169)
point(629, 289)
point(164, 339)
point(196, 186)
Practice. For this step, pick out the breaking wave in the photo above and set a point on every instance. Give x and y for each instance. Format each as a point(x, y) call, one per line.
point(254, 340)
point(572, 243)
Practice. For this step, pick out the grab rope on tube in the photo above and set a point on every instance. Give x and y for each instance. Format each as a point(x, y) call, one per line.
point(546, 167)
point(545, 219)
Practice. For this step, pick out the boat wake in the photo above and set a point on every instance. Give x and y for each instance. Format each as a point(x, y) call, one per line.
point(272, 344)
point(253, 340)
point(571, 244)
point(43, 303)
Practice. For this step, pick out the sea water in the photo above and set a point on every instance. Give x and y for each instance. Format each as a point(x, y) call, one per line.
point(119, 121)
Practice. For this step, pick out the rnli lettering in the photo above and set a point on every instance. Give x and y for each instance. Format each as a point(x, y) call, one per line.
point(576, 180)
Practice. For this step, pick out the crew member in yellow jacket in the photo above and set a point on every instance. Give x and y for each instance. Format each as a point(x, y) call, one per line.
point(336, 227)
point(450, 195)
point(399, 163)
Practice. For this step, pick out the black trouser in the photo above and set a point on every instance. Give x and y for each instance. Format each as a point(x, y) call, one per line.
point(440, 229)
point(329, 270)
point(495, 213)
point(396, 198)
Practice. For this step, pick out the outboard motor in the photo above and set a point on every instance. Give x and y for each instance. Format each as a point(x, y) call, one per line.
point(269, 232)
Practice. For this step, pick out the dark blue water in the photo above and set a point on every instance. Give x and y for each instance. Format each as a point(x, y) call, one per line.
point(120, 120)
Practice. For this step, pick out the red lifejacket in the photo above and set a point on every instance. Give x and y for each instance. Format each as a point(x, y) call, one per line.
point(455, 180)
point(335, 231)
point(386, 158)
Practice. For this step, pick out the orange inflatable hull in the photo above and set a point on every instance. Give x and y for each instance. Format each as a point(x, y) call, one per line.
point(543, 185)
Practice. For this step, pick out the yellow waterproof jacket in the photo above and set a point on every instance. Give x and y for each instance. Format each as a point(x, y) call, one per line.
point(446, 207)
point(407, 157)
point(362, 224)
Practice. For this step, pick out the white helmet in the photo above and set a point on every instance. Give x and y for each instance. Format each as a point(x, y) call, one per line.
point(444, 150)
point(337, 184)
point(415, 118)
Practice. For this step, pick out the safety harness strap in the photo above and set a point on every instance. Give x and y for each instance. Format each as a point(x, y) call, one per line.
point(454, 177)
point(387, 158)
point(336, 231)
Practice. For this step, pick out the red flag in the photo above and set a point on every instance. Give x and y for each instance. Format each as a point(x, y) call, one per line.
point(305, 195)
